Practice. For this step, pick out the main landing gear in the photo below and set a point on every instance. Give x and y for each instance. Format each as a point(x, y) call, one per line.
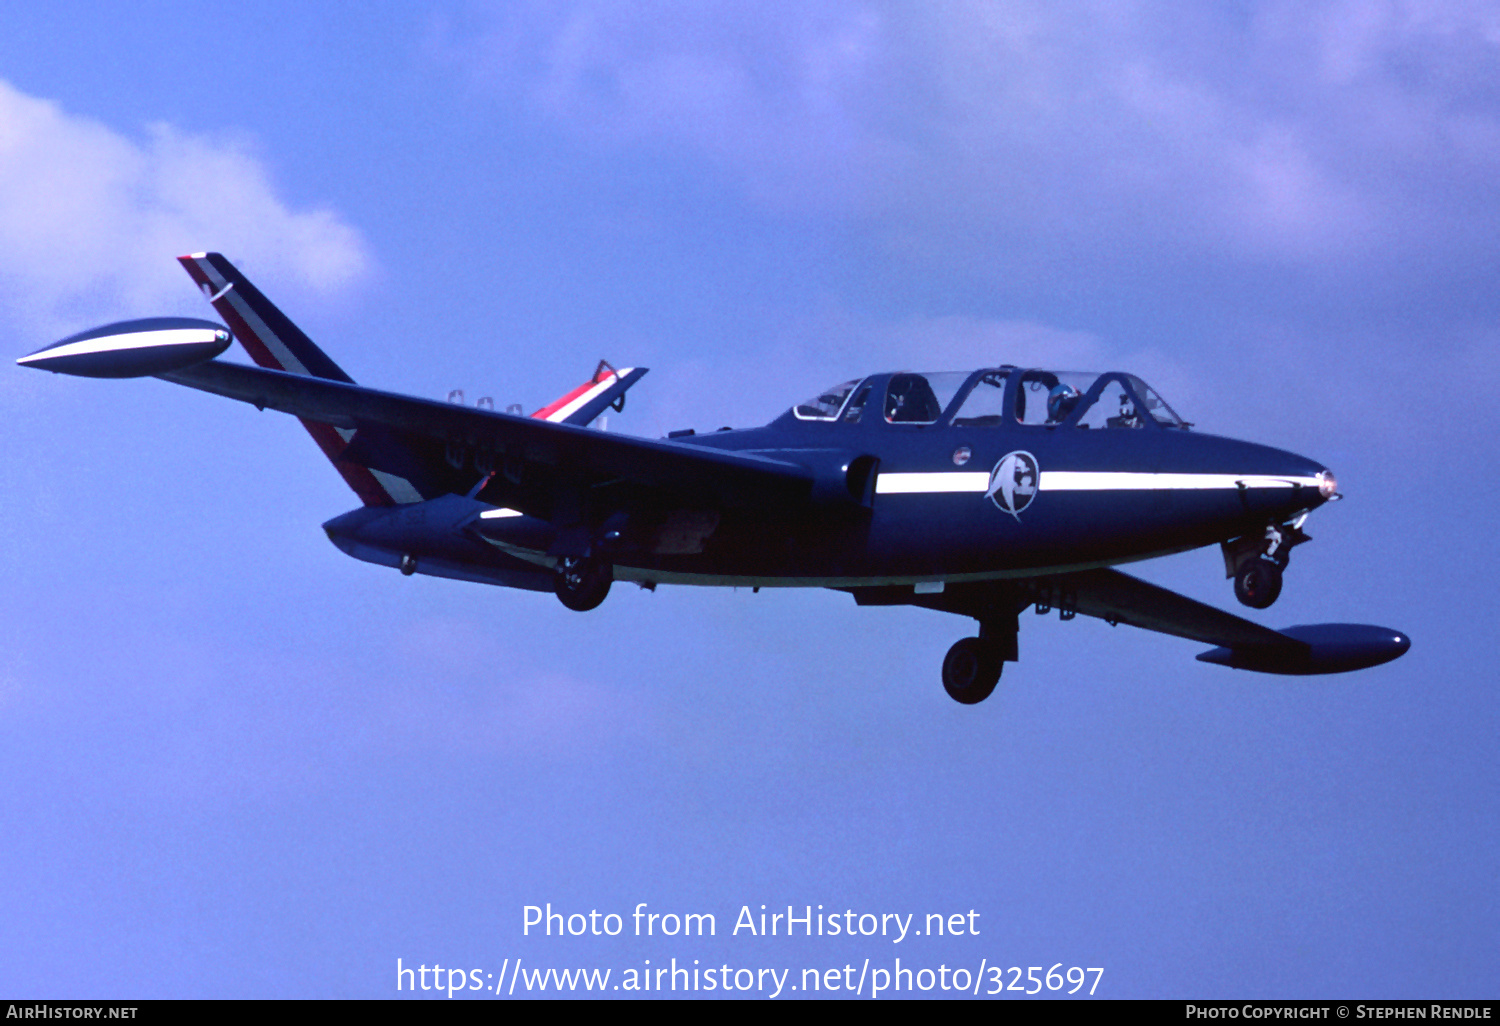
point(972, 667)
point(971, 671)
point(582, 582)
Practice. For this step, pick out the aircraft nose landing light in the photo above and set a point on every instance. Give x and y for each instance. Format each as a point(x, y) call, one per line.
point(1328, 485)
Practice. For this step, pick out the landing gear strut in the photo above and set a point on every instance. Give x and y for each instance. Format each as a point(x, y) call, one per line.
point(1256, 562)
point(582, 583)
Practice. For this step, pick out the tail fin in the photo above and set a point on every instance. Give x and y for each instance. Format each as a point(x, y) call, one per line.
point(382, 467)
point(605, 389)
point(273, 341)
point(267, 334)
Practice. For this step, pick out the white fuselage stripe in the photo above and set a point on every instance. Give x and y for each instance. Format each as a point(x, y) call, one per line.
point(941, 481)
point(1106, 480)
point(1081, 481)
point(131, 340)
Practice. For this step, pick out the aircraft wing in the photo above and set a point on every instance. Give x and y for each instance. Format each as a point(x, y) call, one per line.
point(521, 462)
point(1243, 645)
point(1119, 598)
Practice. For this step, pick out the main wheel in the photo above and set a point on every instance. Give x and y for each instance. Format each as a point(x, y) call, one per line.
point(971, 671)
point(581, 584)
point(1258, 584)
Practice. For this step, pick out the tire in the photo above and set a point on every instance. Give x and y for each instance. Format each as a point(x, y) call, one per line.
point(581, 584)
point(970, 671)
point(1258, 584)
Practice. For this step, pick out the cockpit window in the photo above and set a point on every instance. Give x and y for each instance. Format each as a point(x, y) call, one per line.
point(826, 405)
point(920, 398)
point(1050, 398)
point(1156, 406)
point(856, 406)
point(1114, 408)
point(983, 406)
point(1043, 398)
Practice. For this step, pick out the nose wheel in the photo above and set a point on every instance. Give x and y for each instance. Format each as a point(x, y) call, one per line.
point(582, 583)
point(971, 670)
point(1258, 583)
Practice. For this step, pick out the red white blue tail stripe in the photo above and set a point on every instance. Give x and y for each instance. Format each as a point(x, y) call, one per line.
point(273, 341)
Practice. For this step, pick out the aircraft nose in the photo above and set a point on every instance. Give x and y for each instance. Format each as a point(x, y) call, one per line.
point(1284, 483)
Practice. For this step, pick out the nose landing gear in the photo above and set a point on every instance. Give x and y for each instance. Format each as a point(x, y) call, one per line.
point(582, 582)
point(1256, 563)
point(1258, 583)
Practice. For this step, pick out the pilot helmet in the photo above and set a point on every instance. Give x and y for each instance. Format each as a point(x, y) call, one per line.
point(1060, 401)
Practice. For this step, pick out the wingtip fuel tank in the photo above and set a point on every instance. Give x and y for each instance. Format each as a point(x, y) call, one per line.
point(133, 349)
point(1326, 648)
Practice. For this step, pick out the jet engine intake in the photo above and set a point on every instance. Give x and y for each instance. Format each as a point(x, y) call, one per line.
point(843, 479)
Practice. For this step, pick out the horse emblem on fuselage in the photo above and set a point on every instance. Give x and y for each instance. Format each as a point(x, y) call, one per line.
point(1013, 482)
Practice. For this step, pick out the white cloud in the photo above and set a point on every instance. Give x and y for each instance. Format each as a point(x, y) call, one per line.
point(777, 92)
point(90, 219)
point(1331, 131)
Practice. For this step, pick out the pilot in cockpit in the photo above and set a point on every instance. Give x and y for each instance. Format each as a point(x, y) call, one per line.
point(909, 399)
point(1061, 401)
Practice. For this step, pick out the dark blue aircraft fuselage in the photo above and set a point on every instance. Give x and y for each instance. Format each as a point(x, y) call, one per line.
point(909, 503)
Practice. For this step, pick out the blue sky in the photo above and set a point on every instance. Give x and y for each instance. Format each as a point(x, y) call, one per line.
point(238, 763)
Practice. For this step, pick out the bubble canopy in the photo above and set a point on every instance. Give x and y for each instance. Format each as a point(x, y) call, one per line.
point(1000, 395)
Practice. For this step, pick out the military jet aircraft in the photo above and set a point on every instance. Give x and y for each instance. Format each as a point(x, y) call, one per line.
point(980, 493)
